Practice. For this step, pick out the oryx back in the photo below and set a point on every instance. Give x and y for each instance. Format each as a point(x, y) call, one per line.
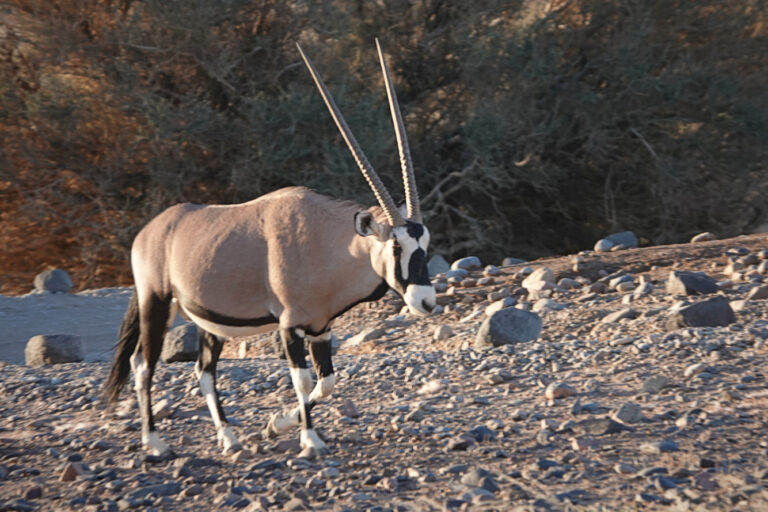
point(240, 269)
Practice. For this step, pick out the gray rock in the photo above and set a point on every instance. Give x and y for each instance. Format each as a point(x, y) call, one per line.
point(457, 273)
point(53, 281)
point(713, 312)
point(628, 412)
point(506, 302)
point(703, 237)
point(54, 349)
point(368, 334)
point(598, 427)
point(758, 293)
point(558, 390)
point(33, 493)
point(508, 326)
point(694, 369)
point(657, 447)
point(567, 283)
point(180, 344)
point(348, 409)
point(690, 283)
point(162, 409)
point(415, 415)
point(480, 478)
point(481, 433)
point(603, 245)
point(655, 383)
point(468, 263)
point(643, 290)
point(619, 315)
point(538, 282)
point(19, 505)
point(437, 265)
point(625, 238)
point(73, 470)
point(442, 332)
point(616, 281)
point(508, 261)
point(547, 305)
point(478, 495)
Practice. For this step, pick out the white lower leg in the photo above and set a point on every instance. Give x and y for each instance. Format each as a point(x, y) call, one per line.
point(292, 418)
point(286, 421)
point(151, 440)
point(323, 388)
point(227, 439)
point(154, 443)
point(302, 382)
point(310, 441)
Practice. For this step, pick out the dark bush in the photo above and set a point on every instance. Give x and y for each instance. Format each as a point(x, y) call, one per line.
point(536, 127)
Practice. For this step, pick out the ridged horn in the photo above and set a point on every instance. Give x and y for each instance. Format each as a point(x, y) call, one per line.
point(406, 164)
point(381, 193)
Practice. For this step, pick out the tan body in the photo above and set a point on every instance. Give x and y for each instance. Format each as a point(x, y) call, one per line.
point(249, 260)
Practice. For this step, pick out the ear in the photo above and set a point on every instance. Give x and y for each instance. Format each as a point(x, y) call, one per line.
point(366, 225)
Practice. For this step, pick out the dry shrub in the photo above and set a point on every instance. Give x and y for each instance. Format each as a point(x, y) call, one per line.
point(536, 127)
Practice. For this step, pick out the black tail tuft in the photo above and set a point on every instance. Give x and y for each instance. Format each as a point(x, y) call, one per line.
point(126, 345)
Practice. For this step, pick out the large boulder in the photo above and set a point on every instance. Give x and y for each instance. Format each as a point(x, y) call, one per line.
point(437, 265)
point(509, 260)
point(508, 326)
point(625, 238)
point(54, 349)
point(703, 237)
point(468, 263)
point(53, 281)
point(180, 344)
point(690, 283)
point(603, 245)
point(714, 312)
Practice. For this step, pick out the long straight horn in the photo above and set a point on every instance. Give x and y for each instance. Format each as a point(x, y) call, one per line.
point(406, 164)
point(381, 193)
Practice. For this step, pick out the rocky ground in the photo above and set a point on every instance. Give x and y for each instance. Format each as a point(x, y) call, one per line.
point(610, 408)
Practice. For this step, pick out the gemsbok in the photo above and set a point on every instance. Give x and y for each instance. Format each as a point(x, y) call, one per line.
point(292, 259)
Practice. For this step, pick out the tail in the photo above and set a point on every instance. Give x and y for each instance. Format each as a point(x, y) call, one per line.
point(126, 345)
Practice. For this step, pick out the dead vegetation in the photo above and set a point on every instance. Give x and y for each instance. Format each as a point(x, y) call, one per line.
point(537, 127)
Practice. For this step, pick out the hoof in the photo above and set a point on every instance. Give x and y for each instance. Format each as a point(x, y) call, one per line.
point(269, 431)
point(154, 458)
point(312, 452)
point(233, 448)
point(157, 447)
point(228, 440)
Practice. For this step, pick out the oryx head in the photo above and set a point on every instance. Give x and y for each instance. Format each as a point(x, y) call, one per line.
point(400, 252)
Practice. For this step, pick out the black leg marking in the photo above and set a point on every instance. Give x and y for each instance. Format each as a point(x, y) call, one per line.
point(208, 356)
point(153, 319)
point(321, 358)
point(293, 346)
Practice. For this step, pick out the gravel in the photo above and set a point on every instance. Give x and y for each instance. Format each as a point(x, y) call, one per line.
point(650, 418)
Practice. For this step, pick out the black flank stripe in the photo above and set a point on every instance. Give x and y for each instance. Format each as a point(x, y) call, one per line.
point(218, 318)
